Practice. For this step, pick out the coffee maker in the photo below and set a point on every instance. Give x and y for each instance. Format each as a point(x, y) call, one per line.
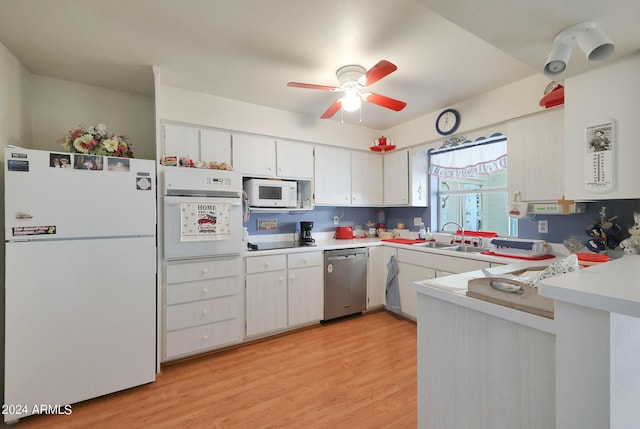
point(305, 233)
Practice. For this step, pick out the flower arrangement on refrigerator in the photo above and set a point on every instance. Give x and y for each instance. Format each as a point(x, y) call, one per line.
point(97, 141)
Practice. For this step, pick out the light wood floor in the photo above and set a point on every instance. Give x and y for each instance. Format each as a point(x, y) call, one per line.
point(354, 373)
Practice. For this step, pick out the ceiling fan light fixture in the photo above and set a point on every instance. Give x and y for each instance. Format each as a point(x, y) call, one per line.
point(351, 101)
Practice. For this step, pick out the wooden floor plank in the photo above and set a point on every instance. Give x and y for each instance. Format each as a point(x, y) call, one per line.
point(357, 373)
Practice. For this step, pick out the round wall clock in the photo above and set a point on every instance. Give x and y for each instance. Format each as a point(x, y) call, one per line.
point(447, 122)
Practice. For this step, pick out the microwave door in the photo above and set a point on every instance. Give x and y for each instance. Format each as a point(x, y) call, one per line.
point(180, 242)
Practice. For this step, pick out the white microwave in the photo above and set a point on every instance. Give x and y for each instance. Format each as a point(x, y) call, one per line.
point(272, 193)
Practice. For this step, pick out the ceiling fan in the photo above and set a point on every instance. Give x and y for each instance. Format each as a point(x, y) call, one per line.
point(354, 79)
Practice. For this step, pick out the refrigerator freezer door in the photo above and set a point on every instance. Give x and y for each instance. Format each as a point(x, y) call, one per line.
point(80, 319)
point(43, 202)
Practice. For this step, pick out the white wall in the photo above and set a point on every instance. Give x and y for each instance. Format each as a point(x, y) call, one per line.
point(495, 107)
point(59, 106)
point(611, 91)
point(15, 129)
point(15, 115)
point(175, 104)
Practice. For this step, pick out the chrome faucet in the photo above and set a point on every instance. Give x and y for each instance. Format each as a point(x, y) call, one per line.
point(460, 227)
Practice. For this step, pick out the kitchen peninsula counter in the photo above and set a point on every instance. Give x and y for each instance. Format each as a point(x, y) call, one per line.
point(597, 321)
point(483, 365)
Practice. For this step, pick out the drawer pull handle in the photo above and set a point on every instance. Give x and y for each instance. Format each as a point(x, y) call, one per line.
point(205, 312)
point(205, 270)
point(205, 290)
point(205, 337)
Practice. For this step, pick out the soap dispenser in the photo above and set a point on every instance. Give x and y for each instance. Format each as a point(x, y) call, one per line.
point(422, 234)
point(428, 235)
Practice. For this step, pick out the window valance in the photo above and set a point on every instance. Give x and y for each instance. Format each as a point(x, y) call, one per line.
point(469, 159)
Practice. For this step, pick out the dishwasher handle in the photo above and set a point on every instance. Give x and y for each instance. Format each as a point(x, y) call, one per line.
point(341, 257)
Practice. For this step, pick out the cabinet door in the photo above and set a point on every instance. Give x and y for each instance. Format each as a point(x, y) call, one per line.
point(254, 155)
point(266, 298)
point(333, 176)
point(215, 146)
point(536, 156)
point(396, 178)
point(294, 159)
point(182, 141)
point(418, 180)
point(377, 275)
point(306, 295)
point(366, 179)
point(408, 274)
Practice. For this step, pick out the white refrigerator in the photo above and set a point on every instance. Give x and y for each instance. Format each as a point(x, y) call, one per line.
point(80, 278)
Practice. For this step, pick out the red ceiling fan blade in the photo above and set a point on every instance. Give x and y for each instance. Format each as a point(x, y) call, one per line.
point(389, 103)
point(332, 110)
point(312, 86)
point(377, 72)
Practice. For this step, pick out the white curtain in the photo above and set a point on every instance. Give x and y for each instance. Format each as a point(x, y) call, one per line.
point(470, 159)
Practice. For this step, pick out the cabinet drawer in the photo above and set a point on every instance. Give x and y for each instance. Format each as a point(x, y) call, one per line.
point(307, 259)
point(458, 265)
point(263, 264)
point(201, 312)
point(203, 289)
point(451, 264)
point(416, 257)
point(178, 272)
point(201, 338)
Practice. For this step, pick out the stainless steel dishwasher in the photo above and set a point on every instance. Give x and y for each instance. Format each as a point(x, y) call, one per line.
point(345, 282)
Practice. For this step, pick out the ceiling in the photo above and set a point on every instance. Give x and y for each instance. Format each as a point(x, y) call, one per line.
point(446, 51)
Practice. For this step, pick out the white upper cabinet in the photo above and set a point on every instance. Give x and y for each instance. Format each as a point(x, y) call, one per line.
point(405, 178)
point(419, 178)
point(294, 159)
point(347, 177)
point(536, 156)
point(396, 178)
point(181, 141)
point(610, 92)
point(254, 155)
point(332, 176)
point(199, 144)
point(215, 146)
point(265, 157)
point(366, 179)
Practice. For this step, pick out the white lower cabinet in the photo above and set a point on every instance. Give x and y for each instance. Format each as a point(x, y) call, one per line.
point(377, 274)
point(266, 294)
point(305, 287)
point(203, 306)
point(408, 274)
point(283, 291)
point(416, 265)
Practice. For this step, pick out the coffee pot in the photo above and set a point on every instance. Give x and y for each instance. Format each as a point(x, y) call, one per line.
point(305, 232)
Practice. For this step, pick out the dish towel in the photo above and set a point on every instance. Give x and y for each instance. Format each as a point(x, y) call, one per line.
point(392, 286)
point(204, 221)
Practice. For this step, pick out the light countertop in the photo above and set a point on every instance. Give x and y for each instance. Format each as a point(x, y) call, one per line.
point(612, 287)
point(453, 289)
point(325, 241)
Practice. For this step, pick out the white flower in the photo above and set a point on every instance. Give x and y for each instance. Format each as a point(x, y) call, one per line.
point(102, 128)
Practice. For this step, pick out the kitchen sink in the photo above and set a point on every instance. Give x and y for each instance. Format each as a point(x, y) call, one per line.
point(466, 249)
point(451, 247)
point(435, 245)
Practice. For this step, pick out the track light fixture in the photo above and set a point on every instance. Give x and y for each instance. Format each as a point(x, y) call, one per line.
point(591, 39)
